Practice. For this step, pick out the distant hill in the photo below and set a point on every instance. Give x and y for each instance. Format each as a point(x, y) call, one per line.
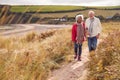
point(45, 9)
point(52, 14)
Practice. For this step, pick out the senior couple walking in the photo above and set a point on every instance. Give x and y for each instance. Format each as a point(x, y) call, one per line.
point(90, 30)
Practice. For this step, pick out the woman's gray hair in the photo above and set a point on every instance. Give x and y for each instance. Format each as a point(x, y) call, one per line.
point(79, 16)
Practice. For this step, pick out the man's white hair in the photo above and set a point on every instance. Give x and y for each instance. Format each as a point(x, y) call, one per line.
point(91, 12)
point(79, 16)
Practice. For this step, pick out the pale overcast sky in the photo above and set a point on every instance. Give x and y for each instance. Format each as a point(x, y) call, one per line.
point(63, 2)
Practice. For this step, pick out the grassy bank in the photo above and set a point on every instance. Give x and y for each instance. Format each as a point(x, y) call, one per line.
point(34, 56)
point(105, 62)
point(104, 13)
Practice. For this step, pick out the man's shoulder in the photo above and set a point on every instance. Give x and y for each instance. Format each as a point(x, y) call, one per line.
point(96, 18)
point(87, 19)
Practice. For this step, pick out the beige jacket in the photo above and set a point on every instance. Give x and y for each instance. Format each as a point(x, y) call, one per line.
point(96, 26)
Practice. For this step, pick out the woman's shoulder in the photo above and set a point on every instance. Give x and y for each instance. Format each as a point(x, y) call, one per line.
point(75, 24)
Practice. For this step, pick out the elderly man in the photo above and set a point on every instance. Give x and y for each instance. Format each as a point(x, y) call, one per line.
point(94, 28)
point(78, 34)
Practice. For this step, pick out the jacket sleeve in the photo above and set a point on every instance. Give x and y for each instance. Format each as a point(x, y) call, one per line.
point(84, 32)
point(86, 24)
point(84, 29)
point(99, 26)
point(73, 33)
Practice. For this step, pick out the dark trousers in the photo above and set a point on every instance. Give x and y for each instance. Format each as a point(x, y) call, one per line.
point(78, 49)
point(92, 43)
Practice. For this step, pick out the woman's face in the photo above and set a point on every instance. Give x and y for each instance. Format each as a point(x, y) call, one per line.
point(79, 19)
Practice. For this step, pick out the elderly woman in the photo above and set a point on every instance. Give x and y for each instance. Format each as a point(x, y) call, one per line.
point(78, 36)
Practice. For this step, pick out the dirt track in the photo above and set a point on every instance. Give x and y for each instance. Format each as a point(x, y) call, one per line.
point(25, 28)
point(76, 70)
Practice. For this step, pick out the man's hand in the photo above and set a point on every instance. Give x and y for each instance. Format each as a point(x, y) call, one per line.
point(87, 33)
point(98, 36)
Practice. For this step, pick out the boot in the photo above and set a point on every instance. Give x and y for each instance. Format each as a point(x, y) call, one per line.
point(75, 56)
point(79, 58)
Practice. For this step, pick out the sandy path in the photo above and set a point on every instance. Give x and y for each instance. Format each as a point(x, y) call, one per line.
point(76, 70)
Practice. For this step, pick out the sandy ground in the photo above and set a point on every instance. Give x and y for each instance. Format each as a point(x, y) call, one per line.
point(25, 28)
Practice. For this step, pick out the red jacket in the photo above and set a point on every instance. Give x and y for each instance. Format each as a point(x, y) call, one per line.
point(74, 32)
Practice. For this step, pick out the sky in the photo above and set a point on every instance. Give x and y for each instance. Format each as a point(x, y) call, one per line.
point(63, 2)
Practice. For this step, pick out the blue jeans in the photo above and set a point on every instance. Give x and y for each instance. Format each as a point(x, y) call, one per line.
point(78, 49)
point(92, 43)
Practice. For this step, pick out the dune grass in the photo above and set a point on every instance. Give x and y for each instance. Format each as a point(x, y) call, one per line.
point(34, 56)
point(104, 63)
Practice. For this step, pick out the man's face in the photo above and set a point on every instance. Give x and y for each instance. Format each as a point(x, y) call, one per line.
point(91, 15)
point(79, 19)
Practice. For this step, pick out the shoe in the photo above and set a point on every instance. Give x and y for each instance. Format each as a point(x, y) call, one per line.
point(75, 56)
point(79, 58)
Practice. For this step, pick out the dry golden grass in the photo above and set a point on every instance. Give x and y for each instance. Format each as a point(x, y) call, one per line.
point(105, 62)
point(33, 56)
